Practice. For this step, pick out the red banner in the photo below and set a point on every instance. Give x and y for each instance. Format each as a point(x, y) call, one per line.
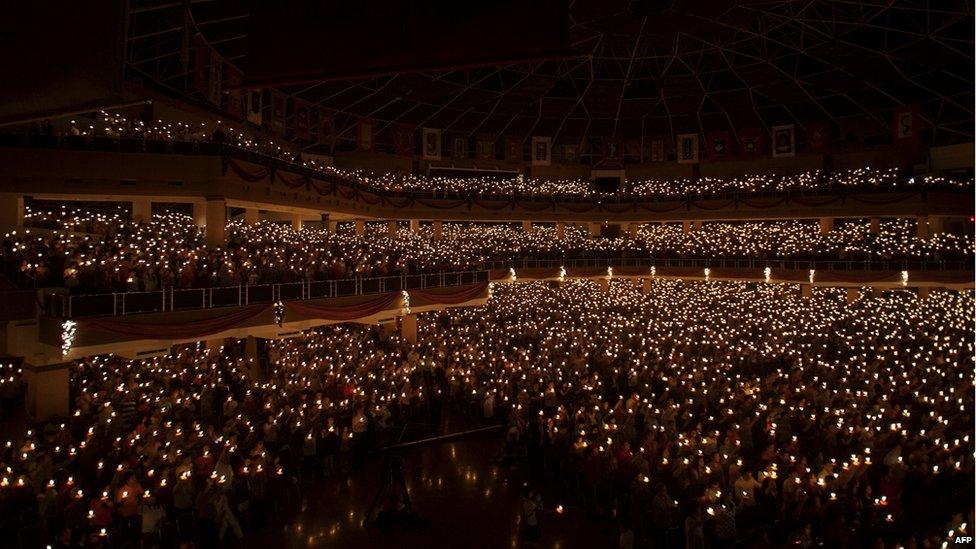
point(612, 154)
point(403, 139)
point(301, 122)
point(173, 330)
point(448, 296)
point(200, 58)
point(235, 96)
point(350, 311)
point(818, 136)
point(513, 148)
point(750, 143)
point(364, 135)
point(278, 109)
point(326, 129)
point(718, 145)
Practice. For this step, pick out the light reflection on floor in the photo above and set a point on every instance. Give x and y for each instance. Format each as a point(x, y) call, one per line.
point(456, 487)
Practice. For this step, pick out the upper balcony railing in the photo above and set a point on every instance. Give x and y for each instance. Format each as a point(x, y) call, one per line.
point(731, 263)
point(226, 150)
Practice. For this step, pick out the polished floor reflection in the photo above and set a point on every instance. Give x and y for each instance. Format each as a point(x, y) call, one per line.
point(466, 499)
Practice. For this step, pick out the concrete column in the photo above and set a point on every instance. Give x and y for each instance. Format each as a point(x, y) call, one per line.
point(251, 355)
point(360, 227)
point(697, 225)
point(527, 226)
point(936, 225)
point(438, 229)
point(408, 328)
point(852, 295)
point(251, 216)
point(806, 291)
point(604, 284)
point(634, 229)
point(200, 214)
point(11, 213)
point(47, 390)
point(594, 229)
point(560, 230)
point(877, 292)
point(646, 285)
point(415, 226)
point(923, 292)
point(686, 226)
point(826, 224)
point(387, 329)
point(142, 210)
point(391, 228)
point(216, 222)
point(332, 226)
point(875, 225)
point(296, 221)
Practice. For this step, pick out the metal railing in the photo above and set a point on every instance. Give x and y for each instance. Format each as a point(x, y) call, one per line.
point(732, 263)
point(184, 299)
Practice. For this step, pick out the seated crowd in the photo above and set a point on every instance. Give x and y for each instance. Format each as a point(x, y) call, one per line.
point(703, 412)
point(118, 126)
point(88, 251)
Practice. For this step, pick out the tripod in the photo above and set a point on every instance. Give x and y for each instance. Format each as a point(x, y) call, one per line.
point(392, 500)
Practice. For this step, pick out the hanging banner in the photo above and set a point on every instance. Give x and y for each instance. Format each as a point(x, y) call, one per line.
point(215, 84)
point(301, 121)
point(325, 135)
point(570, 154)
point(818, 136)
point(541, 151)
point(784, 140)
point(235, 96)
point(278, 108)
point(687, 147)
point(658, 146)
point(431, 144)
point(459, 147)
point(403, 139)
point(718, 145)
point(364, 135)
point(201, 55)
point(852, 133)
point(906, 125)
point(513, 149)
point(611, 154)
point(486, 145)
point(254, 105)
point(750, 143)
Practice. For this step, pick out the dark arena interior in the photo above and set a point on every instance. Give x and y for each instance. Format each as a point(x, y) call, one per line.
point(525, 273)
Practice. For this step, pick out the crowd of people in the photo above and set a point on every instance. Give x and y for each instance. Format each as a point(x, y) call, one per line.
point(118, 126)
point(703, 413)
point(86, 250)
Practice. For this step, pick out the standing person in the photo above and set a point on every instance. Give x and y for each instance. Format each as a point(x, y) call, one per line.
point(531, 505)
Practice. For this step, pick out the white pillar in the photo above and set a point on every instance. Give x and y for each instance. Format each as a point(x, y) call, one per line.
point(251, 216)
point(47, 390)
point(360, 227)
point(806, 291)
point(200, 214)
point(216, 222)
point(697, 225)
point(142, 210)
point(332, 226)
point(686, 226)
point(527, 226)
point(852, 295)
point(391, 228)
point(408, 328)
point(296, 221)
point(438, 229)
point(594, 229)
point(646, 285)
point(11, 213)
point(634, 229)
point(826, 224)
point(875, 225)
point(560, 230)
point(415, 226)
